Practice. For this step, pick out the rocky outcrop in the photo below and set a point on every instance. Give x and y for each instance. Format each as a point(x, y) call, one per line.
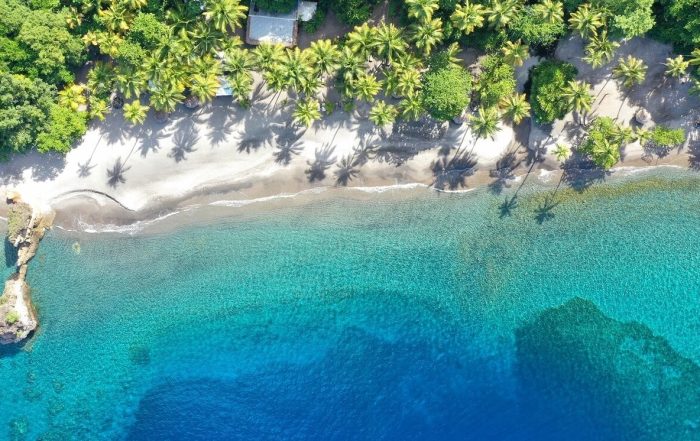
point(26, 226)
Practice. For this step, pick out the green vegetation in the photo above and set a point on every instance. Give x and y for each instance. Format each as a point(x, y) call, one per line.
point(280, 6)
point(149, 56)
point(18, 218)
point(446, 92)
point(549, 80)
point(604, 141)
point(11, 317)
point(665, 137)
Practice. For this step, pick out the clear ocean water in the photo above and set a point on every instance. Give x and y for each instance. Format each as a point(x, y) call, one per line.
point(567, 316)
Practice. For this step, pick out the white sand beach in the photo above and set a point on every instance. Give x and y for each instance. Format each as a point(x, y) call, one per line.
point(222, 148)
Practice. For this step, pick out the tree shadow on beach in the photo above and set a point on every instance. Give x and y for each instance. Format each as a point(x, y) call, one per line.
point(115, 175)
point(452, 173)
point(543, 212)
point(184, 139)
point(504, 172)
point(580, 172)
point(323, 161)
point(347, 170)
point(288, 144)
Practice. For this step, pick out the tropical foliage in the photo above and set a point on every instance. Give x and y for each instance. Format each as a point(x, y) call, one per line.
point(549, 79)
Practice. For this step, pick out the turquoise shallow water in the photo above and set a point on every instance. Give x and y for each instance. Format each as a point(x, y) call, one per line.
point(436, 316)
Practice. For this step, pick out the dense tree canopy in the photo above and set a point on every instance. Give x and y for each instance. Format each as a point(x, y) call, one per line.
point(446, 92)
point(25, 106)
point(549, 80)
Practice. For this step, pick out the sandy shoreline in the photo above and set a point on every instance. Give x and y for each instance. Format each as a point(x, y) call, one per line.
point(119, 174)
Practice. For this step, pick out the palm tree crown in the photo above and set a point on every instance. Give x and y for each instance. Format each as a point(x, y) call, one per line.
point(307, 111)
point(578, 96)
point(427, 35)
point(586, 21)
point(468, 17)
point(485, 122)
point(630, 71)
point(422, 10)
point(383, 114)
point(676, 67)
point(388, 42)
point(135, 112)
point(516, 107)
point(515, 53)
point(324, 56)
point(551, 11)
point(225, 14)
point(600, 50)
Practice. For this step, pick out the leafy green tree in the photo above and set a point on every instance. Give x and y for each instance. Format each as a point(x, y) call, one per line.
point(468, 16)
point(73, 97)
point(352, 12)
point(148, 31)
point(306, 112)
point(678, 22)
point(64, 128)
point(628, 18)
point(534, 30)
point(135, 112)
point(549, 79)
point(604, 142)
point(25, 105)
point(497, 81)
point(382, 114)
point(666, 137)
point(515, 107)
point(446, 92)
point(630, 71)
point(279, 6)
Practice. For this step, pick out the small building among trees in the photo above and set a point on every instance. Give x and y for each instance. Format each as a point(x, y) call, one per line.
point(275, 21)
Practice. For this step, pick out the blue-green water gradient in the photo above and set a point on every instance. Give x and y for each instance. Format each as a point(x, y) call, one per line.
point(414, 317)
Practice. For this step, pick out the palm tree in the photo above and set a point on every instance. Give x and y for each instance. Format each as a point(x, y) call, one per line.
point(468, 17)
point(361, 40)
point(606, 153)
point(578, 97)
point(586, 21)
point(241, 85)
point(73, 18)
point(204, 87)
point(165, 98)
point(695, 57)
point(366, 86)
point(501, 12)
point(642, 135)
point(551, 11)
point(427, 35)
point(409, 81)
point(135, 112)
point(515, 53)
point(116, 18)
point(297, 68)
point(72, 96)
point(324, 57)
point(100, 79)
point(411, 107)
point(135, 4)
point(391, 81)
point(388, 42)
point(562, 152)
point(630, 71)
point(307, 111)
point(130, 82)
point(600, 50)
point(205, 38)
point(98, 108)
point(676, 67)
point(422, 10)
point(266, 56)
point(225, 15)
point(516, 107)
point(351, 65)
point(238, 60)
point(484, 123)
point(383, 114)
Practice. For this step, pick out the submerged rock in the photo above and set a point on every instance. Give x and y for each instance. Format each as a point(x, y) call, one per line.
point(25, 229)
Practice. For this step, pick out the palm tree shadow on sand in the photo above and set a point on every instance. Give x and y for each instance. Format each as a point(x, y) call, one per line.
point(346, 171)
point(115, 175)
point(323, 161)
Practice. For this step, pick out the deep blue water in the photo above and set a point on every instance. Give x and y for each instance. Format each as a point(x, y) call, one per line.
point(424, 317)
